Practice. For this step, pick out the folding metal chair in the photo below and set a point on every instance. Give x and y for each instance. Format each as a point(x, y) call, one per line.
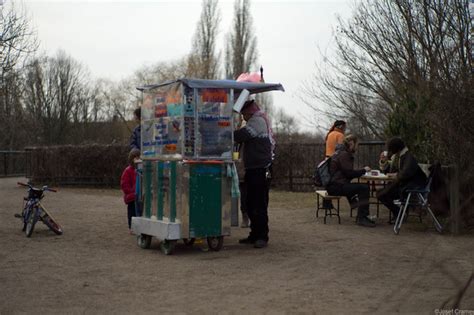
point(416, 198)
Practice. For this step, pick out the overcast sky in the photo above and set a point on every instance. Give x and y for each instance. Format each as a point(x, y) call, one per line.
point(114, 38)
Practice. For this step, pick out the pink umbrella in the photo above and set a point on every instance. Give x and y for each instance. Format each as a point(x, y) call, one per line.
point(253, 77)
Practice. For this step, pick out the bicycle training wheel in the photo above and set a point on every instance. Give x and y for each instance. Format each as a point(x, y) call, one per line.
point(31, 221)
point(53, 226)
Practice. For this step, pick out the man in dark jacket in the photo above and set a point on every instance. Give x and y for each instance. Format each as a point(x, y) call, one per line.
point(257, 139)
point(409, 175)
point(342, 172)
point(135, 139)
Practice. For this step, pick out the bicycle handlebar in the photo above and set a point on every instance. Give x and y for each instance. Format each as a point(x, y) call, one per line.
point(45, 188)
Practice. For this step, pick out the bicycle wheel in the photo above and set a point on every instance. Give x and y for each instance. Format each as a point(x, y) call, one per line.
point(23, 219)
point(31, 221)
point(53, 226)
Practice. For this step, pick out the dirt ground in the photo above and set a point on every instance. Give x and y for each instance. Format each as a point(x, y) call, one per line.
point(308, 267)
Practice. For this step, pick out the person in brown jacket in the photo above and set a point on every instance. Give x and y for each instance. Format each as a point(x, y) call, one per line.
point(342, 172)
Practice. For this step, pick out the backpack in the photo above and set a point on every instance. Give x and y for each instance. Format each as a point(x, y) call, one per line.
point(322, 177)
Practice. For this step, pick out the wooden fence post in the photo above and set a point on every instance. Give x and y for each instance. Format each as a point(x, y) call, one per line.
point(455, 210)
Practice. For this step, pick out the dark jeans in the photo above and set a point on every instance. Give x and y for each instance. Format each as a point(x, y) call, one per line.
point(243, 197)
point(327, 204)
point(130, 212)
point(387, 195)
point(257, 202)
point(350, 190)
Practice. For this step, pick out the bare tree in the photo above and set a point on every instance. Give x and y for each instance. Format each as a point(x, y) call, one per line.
point(110, 97)
point(284, 125)
point(56, 94)
point(124, 97)
point(241, 43)
point(17, 41)
point(241, 49)
point(203, 61)
point(391, 54)
point(405, 68)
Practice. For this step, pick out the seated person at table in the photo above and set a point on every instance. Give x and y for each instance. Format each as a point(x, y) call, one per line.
point(342, 172)
point(386, 165)
point(408, 175)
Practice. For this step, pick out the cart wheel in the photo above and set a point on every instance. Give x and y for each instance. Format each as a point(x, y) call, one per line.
point(189, 241)
point(144, 241)
point(167, 247)
point(215, 242)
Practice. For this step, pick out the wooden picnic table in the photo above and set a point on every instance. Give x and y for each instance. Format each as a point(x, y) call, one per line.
point(375, 182)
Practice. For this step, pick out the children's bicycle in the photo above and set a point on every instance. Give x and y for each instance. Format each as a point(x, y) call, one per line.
point(33, 211)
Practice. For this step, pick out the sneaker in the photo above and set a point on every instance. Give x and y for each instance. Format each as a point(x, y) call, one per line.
point(364, 221)
point(371, 220)
point(367, 218)
point(18, 215)
point(246, 241)
point(260, 244)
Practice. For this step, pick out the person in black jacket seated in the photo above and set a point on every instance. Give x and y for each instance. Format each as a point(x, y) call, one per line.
point(409, 175)
point(342, 172)
point(258, 142)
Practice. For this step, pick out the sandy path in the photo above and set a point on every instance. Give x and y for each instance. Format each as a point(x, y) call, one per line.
point(309, 267)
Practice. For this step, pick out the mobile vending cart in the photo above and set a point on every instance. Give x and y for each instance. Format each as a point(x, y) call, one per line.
point(186, 148)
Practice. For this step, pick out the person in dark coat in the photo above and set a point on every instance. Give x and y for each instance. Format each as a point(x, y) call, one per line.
point(135, 139)
point(342, 172)
point(256, 136)
point(408, 176)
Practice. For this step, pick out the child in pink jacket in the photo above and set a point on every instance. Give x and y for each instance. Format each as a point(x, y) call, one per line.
point(127, 183)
